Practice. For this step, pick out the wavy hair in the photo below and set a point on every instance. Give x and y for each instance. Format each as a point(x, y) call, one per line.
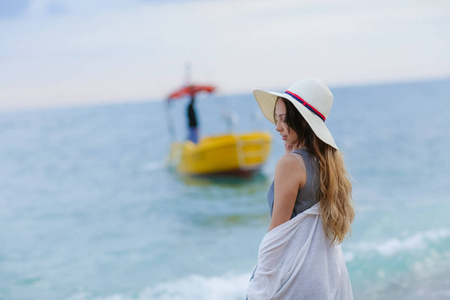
point(335, 192)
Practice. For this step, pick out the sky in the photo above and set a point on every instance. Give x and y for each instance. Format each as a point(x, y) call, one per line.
point(84, 52)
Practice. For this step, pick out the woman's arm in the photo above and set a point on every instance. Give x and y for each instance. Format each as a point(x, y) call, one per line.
point(290, 176)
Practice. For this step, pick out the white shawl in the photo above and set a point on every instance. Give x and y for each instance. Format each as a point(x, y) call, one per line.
point(296, 261)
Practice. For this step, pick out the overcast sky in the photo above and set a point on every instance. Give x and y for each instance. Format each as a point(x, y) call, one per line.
point(65, 52)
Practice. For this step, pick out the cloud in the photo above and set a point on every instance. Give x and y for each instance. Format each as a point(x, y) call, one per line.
point(43, 8)
point(116, 49)
point(55, 8)
point(13, 8)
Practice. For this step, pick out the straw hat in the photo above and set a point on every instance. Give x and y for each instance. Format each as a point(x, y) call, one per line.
point(312, 98)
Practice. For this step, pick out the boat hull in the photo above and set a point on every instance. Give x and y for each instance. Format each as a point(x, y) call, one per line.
point(222, 155)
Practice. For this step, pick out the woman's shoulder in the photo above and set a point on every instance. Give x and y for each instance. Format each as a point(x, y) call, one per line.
point(288, 162)
point(290, 171)
point(286, 159)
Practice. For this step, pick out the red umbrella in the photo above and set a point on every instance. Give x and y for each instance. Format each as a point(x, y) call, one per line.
point(191, 90)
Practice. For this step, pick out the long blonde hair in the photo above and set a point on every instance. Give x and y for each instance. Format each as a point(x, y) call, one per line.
point(335, 192)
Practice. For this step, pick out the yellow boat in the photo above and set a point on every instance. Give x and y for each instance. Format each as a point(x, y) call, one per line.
point(226, 154)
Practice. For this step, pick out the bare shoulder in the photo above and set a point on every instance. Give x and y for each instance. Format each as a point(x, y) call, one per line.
point(288, 163)
point(288, 168)
point(286, 160)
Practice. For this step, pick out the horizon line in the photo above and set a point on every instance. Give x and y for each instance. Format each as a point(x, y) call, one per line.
point(130, 101)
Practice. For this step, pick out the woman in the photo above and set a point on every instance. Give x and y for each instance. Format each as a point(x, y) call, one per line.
point(310, 201)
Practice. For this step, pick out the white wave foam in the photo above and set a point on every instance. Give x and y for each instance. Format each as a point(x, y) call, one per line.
point(349, 256)
point(194, 287)
point(393, 246)
point(197, 288)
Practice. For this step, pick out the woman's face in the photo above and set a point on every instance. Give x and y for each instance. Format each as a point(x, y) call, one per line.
point(289, 136)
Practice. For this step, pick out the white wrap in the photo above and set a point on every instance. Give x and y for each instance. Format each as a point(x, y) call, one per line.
point(295, 261)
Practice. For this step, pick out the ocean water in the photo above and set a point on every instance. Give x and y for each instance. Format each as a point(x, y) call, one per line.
point(89, 210)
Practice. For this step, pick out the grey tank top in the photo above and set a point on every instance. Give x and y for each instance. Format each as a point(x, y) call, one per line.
point(306, 196)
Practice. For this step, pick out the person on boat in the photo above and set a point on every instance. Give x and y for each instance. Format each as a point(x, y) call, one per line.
point(192, 121)
point(310, 201)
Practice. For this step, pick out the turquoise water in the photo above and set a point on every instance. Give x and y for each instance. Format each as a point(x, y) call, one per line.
point(88, 209)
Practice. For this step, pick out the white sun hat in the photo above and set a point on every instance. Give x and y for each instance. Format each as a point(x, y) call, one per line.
point(312, 98)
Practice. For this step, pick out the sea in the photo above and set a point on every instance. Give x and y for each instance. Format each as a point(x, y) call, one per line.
point(90, 210)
